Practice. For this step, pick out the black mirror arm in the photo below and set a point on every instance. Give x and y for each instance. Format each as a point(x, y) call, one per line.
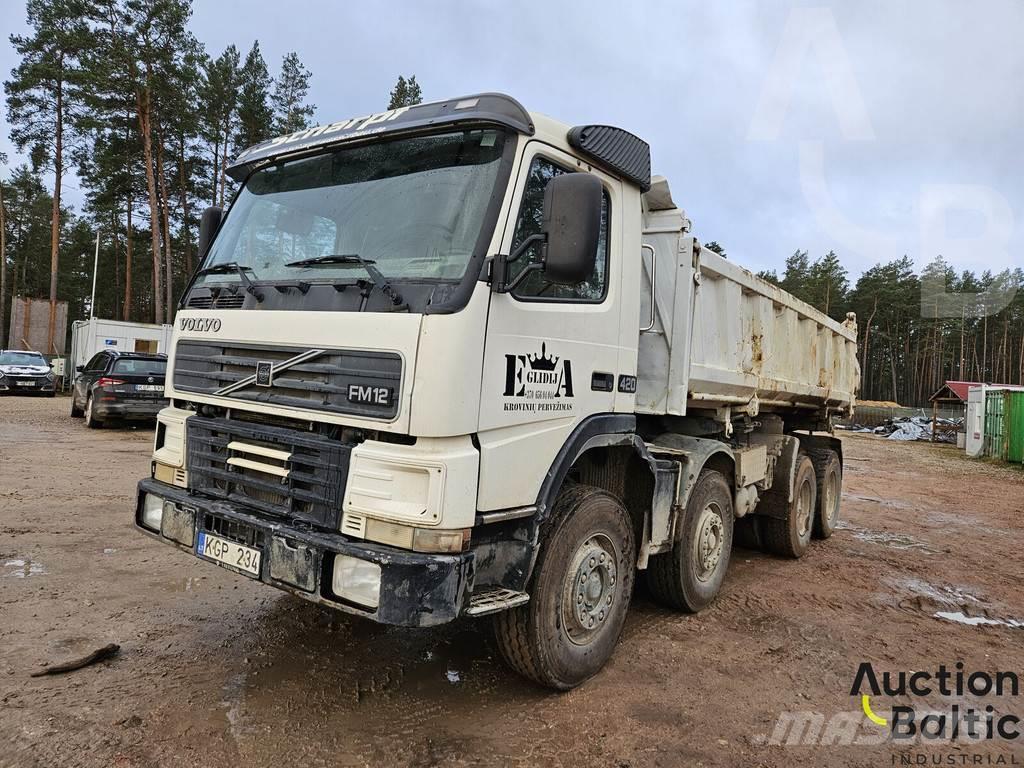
point(501, 263)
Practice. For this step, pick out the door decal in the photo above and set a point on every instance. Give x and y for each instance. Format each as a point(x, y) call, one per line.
point(538, 383)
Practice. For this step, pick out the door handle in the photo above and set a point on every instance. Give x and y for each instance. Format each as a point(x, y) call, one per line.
point(602, 382)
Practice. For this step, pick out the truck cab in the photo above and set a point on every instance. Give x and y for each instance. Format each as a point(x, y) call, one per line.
point(404, 383)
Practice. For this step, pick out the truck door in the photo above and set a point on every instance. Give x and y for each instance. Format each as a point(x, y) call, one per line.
point(551, 351)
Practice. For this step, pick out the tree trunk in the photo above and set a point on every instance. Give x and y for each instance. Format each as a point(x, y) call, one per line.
point(143, 104)
point(117, 262)
point(165, 205)
point(216, 170)
point(3, 267)
point(224, 158)
point(186, 236)
point(58, 171)
point(127, 313)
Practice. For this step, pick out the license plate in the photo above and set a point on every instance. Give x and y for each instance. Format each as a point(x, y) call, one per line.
point(26, 383)
point(149, 387)
point(227, 552)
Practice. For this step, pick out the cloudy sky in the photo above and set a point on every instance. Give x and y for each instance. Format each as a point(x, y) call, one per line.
point(872, 128)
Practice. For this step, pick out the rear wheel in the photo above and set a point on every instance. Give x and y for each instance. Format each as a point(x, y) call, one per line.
point(579, 594)
point(90, 417)
point(830, 490)
point(786, 530)
point(690, 576)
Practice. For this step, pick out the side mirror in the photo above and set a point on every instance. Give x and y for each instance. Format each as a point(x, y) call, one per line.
point(208, 226)
point(570, 229)
point(572, 222)
point(79, 368)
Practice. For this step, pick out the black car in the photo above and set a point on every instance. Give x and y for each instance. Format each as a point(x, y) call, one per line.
point(119, 385)
point(25, 373)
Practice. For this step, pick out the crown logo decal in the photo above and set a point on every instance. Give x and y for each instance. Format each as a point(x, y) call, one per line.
point(544, 362)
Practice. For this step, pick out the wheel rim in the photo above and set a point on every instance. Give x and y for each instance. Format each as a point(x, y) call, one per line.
point(709, 543)
point(803, 509)
point(590, 589)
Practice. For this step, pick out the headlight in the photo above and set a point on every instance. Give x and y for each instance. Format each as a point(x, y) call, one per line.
point(152, 512)
point(49, 376)
point(356, 580)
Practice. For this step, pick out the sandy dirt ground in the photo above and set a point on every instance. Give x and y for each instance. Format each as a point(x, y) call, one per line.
point(218, 670)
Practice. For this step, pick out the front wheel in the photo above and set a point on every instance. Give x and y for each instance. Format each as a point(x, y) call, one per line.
point(579, 594)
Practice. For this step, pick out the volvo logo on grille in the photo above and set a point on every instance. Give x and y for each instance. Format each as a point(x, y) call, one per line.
point(264, 374)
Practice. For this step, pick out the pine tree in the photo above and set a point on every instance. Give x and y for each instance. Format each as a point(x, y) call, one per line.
point(40, 102)
point(3, 258)
point(220, 97)
point(714, 246)
point(796, 275)
point(255, 116)
point(406, 93)
point(291, 113)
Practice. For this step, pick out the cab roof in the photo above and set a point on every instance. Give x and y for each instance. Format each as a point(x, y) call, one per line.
point(615, 149)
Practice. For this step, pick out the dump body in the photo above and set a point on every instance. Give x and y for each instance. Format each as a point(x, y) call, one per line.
point(721, 336)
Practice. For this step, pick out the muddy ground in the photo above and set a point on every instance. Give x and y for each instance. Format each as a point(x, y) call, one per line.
point(218, 670)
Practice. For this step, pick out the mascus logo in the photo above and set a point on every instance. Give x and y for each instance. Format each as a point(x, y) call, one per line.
point(200, 324)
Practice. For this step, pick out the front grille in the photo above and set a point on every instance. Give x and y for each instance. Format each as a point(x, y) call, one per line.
point(283, 472)
point(220, 299)
point(321, 383)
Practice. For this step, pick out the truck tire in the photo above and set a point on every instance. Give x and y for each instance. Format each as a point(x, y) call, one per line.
point(689, 577)
point(579, 593)
point(90, 419)
point(830, 490)
point(76, 412)
point(786, 531)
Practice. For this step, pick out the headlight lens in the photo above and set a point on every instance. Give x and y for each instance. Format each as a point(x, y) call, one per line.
point(356, 580)
point(152, 512)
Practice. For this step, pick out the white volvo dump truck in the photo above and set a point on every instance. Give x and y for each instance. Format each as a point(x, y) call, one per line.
point(460, 359)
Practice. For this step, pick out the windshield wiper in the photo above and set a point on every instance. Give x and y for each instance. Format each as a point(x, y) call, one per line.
point(240, 270)
point(344, 259)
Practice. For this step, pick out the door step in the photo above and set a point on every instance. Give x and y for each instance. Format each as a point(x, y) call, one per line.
point(494, 600)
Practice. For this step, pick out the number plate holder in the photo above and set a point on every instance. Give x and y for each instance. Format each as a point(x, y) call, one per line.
point(235, 556)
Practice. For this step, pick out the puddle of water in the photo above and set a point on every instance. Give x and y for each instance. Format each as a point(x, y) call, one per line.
point(234, 693)
point(453, 676)
point(960, 605)
point(977, 621)
point(19, 568)
point(900, 541)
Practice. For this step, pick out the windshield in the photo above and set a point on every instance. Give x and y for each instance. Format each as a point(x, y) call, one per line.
point(21, 358)
point(141, 366)
point(414, 207)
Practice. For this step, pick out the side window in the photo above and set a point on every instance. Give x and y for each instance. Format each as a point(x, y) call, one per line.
point(531, 212)
point(98, 362)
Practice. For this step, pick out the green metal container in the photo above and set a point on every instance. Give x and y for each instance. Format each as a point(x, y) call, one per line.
point(995, 425)
point(1013, 421)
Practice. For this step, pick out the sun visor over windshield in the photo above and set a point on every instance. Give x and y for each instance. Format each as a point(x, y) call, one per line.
point(492, 108)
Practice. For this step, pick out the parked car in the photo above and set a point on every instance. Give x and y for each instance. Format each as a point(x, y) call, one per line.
point(119, 385)
point(26, 373)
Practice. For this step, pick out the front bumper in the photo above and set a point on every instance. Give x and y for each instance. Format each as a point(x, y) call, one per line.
point(416, 590)
point(37, 386)
point(142, 410)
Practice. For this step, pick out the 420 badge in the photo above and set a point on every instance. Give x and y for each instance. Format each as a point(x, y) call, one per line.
point(538, 383)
